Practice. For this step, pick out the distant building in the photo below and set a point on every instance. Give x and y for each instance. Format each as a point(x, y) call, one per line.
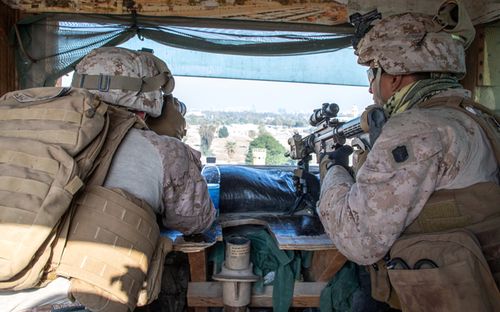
point(195, 113)
point(259, 156)
point(355, 111)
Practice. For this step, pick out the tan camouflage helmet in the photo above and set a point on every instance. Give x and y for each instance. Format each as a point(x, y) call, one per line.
point(412, 43)
point(133, 79)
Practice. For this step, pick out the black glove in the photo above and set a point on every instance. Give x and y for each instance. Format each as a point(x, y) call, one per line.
point(339, 157)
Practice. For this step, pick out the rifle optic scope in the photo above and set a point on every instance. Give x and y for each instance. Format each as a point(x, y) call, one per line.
point(327, 110)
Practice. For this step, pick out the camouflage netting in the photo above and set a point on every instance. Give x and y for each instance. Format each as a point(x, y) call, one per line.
point(53, 43)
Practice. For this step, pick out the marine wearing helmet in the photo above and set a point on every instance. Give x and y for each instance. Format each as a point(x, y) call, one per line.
point(430, 174)
point(109, 245)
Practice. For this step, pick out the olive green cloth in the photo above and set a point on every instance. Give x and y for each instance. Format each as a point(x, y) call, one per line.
point(418, 92)
point(337, 294)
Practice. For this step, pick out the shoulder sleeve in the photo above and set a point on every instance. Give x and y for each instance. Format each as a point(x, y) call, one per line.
point(400, 173)
point(187, 204)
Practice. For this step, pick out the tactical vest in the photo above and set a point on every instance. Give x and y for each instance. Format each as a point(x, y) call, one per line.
point(111, 248)
point(106, 221)
point(451, 251)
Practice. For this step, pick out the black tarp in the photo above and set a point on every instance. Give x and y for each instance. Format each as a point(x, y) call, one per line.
point(252, 189)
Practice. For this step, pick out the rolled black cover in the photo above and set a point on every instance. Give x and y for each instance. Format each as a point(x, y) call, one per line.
point(256, 189)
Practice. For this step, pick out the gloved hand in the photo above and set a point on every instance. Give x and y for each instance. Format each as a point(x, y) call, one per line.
point(372, 121)
point(339, 157)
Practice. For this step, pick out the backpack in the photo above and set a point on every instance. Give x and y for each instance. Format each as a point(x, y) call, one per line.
point(49, 139)
point(52, 141)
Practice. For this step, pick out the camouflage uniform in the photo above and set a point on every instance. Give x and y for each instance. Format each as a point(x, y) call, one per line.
point(168, 178)
point(442, 148)
point(447, 150)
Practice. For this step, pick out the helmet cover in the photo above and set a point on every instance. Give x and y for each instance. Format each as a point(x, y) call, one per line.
point(412, 43)
point(114, 61)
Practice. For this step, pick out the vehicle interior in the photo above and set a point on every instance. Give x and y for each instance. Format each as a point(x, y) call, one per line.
point(285, 41)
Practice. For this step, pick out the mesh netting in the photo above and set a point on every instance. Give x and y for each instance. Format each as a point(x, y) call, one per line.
point(52, 44)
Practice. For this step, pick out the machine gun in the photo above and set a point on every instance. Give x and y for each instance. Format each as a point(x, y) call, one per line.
point(329, 135)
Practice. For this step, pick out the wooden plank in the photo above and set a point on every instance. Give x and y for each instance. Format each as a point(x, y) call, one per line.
point(298, 232)
point(187, 8)
point(8, 74)
point(198, 271)
point(325, 264)
point(480, 80)
point(209, 294)
point(474, 62)
point(198, 266)
point(194, 243)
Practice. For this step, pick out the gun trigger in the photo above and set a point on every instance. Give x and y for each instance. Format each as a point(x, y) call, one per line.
point(357, 142)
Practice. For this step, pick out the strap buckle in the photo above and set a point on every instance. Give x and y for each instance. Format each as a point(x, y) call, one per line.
point(103, 83)
point(82, 81)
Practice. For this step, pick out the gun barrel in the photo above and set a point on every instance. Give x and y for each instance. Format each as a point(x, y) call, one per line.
point(350, 128)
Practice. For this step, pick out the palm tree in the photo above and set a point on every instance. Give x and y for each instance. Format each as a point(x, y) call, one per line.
point(230, 148)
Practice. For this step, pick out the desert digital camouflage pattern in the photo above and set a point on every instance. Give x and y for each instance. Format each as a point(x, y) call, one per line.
point(445, 150)
point(186, 203)
point(412, 43)
point(115, 61)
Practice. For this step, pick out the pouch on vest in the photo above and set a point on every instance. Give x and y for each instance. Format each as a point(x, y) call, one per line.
point(110, 246)
point(68, 117)
point(37, 184)
point(443, 271)
point(152, 285)
point(381, 289)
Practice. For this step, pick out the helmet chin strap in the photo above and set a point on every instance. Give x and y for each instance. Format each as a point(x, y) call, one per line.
point(377, 98)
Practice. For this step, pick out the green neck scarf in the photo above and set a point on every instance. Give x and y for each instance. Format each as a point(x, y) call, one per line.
point(418, 92)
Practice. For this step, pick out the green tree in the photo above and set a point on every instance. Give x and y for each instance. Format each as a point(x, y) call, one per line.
point(207, 133)
point(223, 132)
point(275, 151)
